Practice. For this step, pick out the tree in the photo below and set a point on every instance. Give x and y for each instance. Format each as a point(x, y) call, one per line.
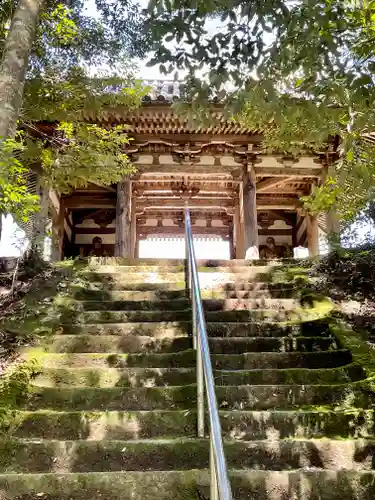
point(302, 71)
point(48, 59)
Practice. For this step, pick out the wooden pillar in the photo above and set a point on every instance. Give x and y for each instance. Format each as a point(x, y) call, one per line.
point(232, 248)
point(312, 235)
point(250, 211)
point(133, 226)
point(40, 219)
point(60, 231)
point(238, 233)
point(123, 219)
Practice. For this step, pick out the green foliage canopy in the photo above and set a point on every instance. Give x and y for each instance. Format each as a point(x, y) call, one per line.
point(301, 71)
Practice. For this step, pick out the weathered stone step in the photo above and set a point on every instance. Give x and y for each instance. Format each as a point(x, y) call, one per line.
point(179, 304)
point(131, 305)
point(181, 328)
point(255, 397)
point(127, 277)
point(151, 377)
point(126, 316)
point(187, 359)
point(182, 485)
point(238, 425)
point(218, 345)
point(181, 454)
point(108, 316)
point(124, 285)
point(115, 377)
point(81, 293)
point(338, 424)
point(224, 291)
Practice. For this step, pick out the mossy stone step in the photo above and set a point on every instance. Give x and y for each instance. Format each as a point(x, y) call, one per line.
point(218, 345)
point(223, 293)
point(81, 293)
point(150, 329)
point(255, 397)
point(110, 316)
point(126, 277)
point(113, 398)
point(115, 377)
point(313, 424)
point(249, 304)
point(238, 425)
point(109, 285)
point(131, 305)
point(178, 304)
point(187, 359)
point(112, 425)
point(189, 485)
point(182, 454)
point(159, 377)
point(71, 316)
point(180, 328)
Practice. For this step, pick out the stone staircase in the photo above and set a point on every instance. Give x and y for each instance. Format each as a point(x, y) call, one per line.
point(113, 413)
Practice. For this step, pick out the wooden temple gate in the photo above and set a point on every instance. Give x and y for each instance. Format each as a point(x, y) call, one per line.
point(235, 190)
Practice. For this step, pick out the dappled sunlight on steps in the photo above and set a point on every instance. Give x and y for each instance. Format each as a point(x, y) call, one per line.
point(113, 411)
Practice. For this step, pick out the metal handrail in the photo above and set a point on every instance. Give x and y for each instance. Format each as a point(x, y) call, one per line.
point(219, 481)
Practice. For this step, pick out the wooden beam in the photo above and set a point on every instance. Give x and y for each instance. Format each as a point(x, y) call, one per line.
point(270, 203)
point(91, 201)
point(270, 182)
point(176, 230)
point(143, 180)
point(202, 204)
point(183, 169)
point(242, 139)
point(288, 172)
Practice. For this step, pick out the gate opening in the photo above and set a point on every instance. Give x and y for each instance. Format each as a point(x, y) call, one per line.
point(156, 247)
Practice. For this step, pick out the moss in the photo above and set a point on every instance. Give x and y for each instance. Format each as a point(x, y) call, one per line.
point(108, 425)
point(15, 389)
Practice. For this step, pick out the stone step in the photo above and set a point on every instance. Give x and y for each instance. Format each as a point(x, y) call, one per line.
point(179, 304)
point(126, 316)
point(126, 277)
point(218, 345)
point(187, 359)
point(151, 377)
point(189, 485)
point(81, 293)
point(255, 397)
point(181, 328)
point(263, 267)
point(223, 291)
point(124, 285)
point(108, 316)
point(182, 454)
point(238, 425)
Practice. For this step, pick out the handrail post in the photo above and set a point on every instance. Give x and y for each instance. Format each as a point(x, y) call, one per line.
point(214, 493)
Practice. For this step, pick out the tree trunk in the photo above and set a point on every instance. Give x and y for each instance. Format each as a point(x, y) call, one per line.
point(123, 219)
point(14, 64)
